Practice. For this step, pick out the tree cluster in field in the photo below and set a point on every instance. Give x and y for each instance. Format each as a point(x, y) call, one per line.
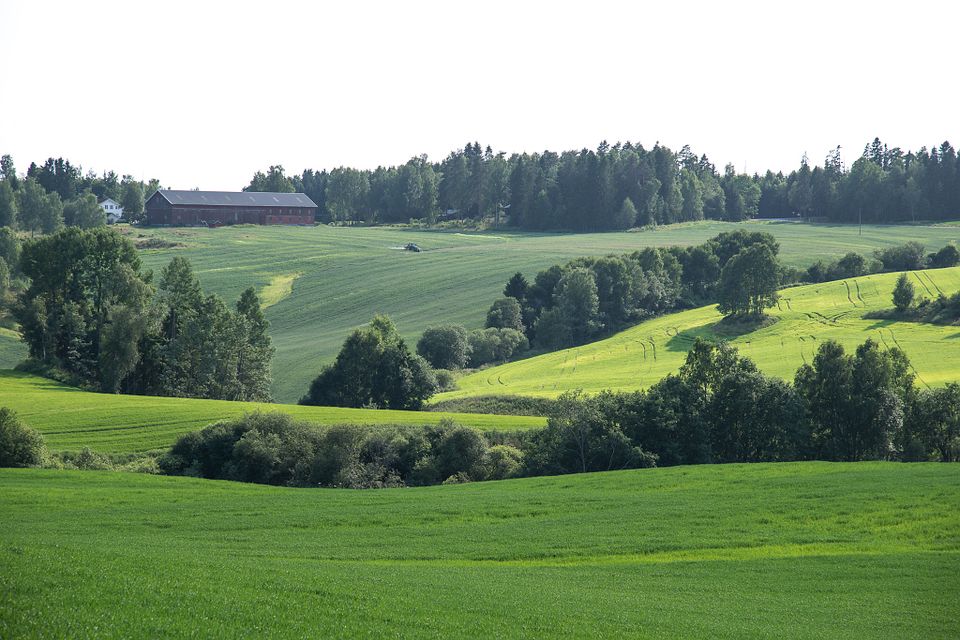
point(943, 309)
point(90, 313)
point(717, 409)
point(273, 448)
point(451, 347)
point(374, 369)
point(57, 193)
point(590, 297)
point(625, 185)
point(909, 256)
point(720, 408)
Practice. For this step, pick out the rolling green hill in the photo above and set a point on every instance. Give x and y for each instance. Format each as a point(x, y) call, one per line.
point(322, 282)
point(71, 419)
point(806, 316)
point(798, 550)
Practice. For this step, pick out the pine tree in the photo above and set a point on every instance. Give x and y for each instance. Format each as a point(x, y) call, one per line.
point(253, 367)
point(627, 215)
point(903, 293)
point(516, 287)
point(8, 205)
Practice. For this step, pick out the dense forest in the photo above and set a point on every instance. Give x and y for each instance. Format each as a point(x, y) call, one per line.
point(626, 185)
point(618, 186)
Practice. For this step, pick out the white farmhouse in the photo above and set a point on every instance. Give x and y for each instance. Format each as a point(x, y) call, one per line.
point(113, 210)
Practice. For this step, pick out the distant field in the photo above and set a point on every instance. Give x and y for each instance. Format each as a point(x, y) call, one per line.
point(322, 282)
point(798, 550)
point(807, 315)
point(70, 419)
point(12, 349)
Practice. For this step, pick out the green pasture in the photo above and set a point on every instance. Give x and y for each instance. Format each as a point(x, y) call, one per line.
point(321, 282)
point(71, 419)
point(790, 550)
point(12, 349)
point(806, 316)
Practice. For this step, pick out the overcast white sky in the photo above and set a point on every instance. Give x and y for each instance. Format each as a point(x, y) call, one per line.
point(202, 94)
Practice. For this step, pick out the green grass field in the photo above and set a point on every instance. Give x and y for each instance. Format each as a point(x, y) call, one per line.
point(322, 282)
point(807, 315)
point(12, 349)
point(798, 550)
point(70, 419)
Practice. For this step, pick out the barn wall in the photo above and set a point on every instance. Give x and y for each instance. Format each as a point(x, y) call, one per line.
point(184, 215)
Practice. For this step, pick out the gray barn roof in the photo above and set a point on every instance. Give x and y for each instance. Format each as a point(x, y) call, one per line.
point(236, 198)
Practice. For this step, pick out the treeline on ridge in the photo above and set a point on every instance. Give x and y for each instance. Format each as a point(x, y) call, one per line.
point(625, 185)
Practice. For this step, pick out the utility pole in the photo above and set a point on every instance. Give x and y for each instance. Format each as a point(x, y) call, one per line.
point(860, 219)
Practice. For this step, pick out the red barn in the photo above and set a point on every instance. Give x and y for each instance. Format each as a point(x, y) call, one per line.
point(214, 208)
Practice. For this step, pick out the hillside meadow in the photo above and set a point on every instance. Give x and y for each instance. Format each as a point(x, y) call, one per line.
point(806, 316)
point(70, 419)
point(322, 282)
point(798, 550)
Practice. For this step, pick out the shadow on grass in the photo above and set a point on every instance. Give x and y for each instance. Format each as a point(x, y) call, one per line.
point(682, 341)
point(720, 331)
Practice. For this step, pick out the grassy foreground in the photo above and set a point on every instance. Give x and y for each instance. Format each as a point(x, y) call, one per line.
point(799, 550)
point(71, 419)
point(806, 316)
point(322, 282)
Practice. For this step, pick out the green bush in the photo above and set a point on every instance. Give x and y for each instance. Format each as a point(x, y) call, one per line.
point(20, 446)
point(461, 450)
point(445, 347)
point(948, 256)
point(505, 313)
point(495, 345)
point(504, 461)
point(273, 448)
point(905, 257)
point(446, 380)
point(903, 293)
point(89, 460)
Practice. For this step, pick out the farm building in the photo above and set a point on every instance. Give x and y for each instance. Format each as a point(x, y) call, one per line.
point(214, 208)
point(112, 209)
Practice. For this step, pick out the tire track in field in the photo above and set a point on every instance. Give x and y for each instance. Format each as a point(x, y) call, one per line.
point(802, 354)
point(917, 373)
point(859, 297)
point(849, 297)
point(883, 340)
point(922, 283)
point(930, 278)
